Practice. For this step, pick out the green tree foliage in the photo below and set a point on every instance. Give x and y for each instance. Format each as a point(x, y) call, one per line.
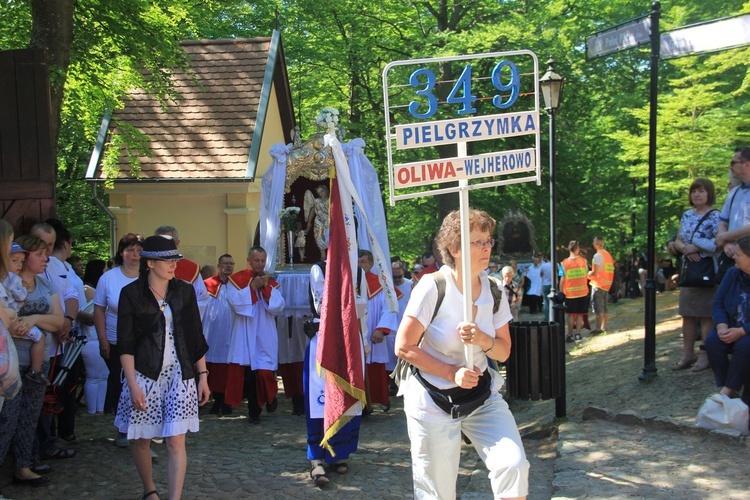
point(336, 51)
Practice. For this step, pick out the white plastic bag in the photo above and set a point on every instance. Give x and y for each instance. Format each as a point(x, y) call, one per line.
point(719, 411)
point(10, 379)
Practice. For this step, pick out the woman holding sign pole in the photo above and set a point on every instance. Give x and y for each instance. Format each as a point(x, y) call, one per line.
point(443, 398)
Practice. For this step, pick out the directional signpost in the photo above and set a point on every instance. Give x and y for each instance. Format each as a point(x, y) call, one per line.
point(711, 36)
point(489, 101)
point(621, 37)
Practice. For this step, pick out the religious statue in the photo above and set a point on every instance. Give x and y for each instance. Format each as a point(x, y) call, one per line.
point(316, 216)
point(299, 242)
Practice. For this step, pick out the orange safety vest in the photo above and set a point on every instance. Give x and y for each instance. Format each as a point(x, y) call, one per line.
point(576, 284)
point(604, 278)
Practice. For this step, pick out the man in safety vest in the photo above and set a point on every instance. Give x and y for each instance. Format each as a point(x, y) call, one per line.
point(601, 276)
point(575, 287)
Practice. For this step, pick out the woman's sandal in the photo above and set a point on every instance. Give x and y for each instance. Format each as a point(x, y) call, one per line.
point(60, 454)
point(320, 478)
point(701, 364)
point(341, 468)
point(683, 365)
point(152, 492)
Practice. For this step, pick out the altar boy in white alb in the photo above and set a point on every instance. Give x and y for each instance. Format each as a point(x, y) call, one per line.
point(255, 300)
point(381, 322)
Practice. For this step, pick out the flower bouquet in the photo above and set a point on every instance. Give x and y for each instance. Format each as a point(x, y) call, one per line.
point(327, 116)
point(290, 219)
point(290, 223)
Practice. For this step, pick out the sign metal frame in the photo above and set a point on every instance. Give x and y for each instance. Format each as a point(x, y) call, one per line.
point(391, 137)
point(463, 186)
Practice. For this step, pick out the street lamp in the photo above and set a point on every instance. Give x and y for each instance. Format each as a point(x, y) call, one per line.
point(552, 85)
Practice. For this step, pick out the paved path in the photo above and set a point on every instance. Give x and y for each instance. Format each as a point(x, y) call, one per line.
point(601, 456)
point(594, 454)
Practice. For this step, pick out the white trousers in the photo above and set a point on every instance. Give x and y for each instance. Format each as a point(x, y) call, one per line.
point(436, 451)
point(97, 372)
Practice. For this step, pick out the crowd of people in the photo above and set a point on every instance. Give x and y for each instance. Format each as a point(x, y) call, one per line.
point(162, 335)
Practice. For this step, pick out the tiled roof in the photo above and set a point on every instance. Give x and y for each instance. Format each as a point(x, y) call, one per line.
point(208, 133)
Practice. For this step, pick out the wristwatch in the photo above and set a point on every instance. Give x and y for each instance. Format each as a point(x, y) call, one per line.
point(72, 320)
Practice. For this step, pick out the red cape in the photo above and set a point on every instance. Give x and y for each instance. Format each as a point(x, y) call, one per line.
point(427, 270)
point(187, 270)
point(374, 286)
point(213, 285)
point(242, 279)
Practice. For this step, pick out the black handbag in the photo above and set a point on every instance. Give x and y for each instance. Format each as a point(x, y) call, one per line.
point(701, 274)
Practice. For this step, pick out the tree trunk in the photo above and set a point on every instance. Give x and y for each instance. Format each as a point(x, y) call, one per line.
point(52, 31)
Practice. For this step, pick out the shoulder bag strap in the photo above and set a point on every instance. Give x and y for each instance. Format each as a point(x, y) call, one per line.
point(701, 222)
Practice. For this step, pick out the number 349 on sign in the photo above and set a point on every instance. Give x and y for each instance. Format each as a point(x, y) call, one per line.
point(424, 80)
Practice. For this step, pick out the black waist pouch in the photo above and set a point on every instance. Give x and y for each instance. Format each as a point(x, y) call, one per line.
point(458, 402)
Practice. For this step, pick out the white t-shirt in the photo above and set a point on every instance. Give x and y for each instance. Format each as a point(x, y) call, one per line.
point(77, 284)
point(441, 339)
point(108, 295)
point(736, 210)
point(58, 274)
point(597, 261)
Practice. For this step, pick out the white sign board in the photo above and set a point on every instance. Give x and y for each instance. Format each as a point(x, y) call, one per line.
point(419, 135)
point(706, 37)
point(623, 36)
point(424, 173)
point(487, 104)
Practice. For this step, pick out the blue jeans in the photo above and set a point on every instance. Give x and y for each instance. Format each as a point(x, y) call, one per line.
point(730, 373)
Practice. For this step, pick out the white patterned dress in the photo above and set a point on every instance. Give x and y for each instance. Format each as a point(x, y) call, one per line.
point(171, 402)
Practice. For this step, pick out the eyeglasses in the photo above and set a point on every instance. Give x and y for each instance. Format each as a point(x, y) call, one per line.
point(735, 162)
point(484, 243)
point(397, 277)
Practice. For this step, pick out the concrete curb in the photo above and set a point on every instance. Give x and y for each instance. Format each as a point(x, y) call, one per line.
point(668, 424)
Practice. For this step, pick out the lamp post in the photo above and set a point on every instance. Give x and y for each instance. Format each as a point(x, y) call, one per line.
point(551, 85)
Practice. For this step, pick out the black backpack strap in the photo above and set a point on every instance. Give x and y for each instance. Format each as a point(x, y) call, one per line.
point(440, 283)
point(403, 366)
point(496, 288)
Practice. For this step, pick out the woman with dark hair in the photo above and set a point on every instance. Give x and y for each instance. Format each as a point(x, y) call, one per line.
point(97, 372)
point(696, 240)
point(42, 309)
point(106, 298)
point(432, 337)
point(94, 270)
point(731, 314)
point(162, 351)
